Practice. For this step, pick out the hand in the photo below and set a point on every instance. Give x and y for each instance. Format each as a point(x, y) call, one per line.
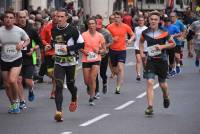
point(129, 42)
point(19, 46)
point(31, 52)
point(47, 47)
point(158, 47)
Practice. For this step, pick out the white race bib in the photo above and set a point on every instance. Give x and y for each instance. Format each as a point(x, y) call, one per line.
point(92, 56)
point(10, 50)
point(58, 49)
point(152, 51)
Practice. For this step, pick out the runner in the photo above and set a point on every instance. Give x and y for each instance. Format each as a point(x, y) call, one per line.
point(158, 41)
point(66, 40)
point(29, 58)
point(12, 39)
point(94, 47)
point(117, 50)
point(195, 28)
point(174, 32)
point(48, 62)
point(179, 42)
point(138, 31)
point(104, 56)
point(111, 20)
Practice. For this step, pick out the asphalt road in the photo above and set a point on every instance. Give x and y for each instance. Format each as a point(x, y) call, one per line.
point(112, 114)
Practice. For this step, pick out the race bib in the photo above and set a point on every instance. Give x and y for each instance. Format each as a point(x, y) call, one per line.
point(92, 56)
point(58, 49)
point(10, 50)
point(152, 51)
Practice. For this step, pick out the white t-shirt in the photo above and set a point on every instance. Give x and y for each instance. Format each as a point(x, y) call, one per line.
point(8, 40)
point(138, 32)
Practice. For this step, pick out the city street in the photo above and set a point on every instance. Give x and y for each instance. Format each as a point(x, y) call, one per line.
point(112, 114)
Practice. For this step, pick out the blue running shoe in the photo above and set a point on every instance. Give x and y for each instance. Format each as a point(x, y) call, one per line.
point(172, 73)
point(16, 109)
point(178, 69)
point(197, 63)
point(31, 96)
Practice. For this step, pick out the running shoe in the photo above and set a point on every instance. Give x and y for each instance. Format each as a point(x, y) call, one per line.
point(52, 96)
point(10, 109)
point(73, 105)
point(197, 63)
point(14, 108)
point(117, 91)
point(166, 102)
point(91, 102)
point(104, 90)
point(172, 73)
point(22, 105)
point(97, 96)
point(149, 111)
point(178, 69)
point(31, 96)
point(138, 78)
point(58, 116)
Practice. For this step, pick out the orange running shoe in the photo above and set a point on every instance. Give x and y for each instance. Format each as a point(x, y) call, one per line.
point(73, 106)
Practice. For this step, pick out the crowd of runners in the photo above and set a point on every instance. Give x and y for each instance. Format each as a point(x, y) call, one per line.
point(54, 41)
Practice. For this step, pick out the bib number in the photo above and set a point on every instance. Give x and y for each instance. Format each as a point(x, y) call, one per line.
point(10, 50)
point(152, 51)
point(58, 49)
point(92, 56)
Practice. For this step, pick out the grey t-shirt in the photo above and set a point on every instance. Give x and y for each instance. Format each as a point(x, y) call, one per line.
point(195, 27)
point(8, 41)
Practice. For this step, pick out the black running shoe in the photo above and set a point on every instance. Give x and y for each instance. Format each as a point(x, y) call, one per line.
point(91, 102)
point(104, 88)
point(138, 78)
point(117, 91)
point(166, 102)
point(149, 111)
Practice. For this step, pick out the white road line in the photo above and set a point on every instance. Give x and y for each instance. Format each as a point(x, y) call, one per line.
point(66, 133)
point(87, 123)
point(124, 105)
point(144, 94)
point(141, 95)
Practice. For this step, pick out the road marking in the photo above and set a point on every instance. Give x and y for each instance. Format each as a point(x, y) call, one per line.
point(141, 95)
point(144, 94)
point(66, 133)
point(87, 123)
point(124, 105)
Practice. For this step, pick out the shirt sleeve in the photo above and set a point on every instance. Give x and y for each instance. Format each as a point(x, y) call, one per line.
point(129, 30)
